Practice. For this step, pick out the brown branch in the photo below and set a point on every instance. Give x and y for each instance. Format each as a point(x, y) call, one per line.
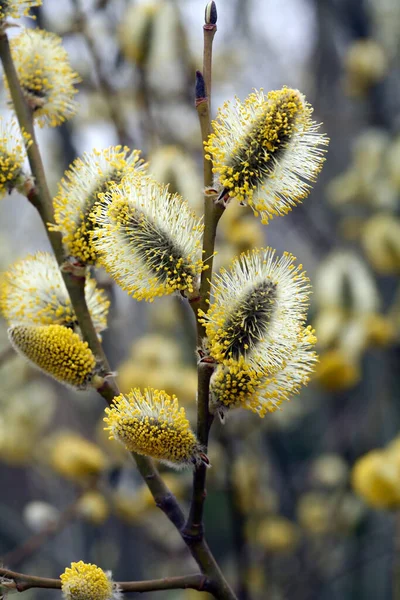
point(22, 582)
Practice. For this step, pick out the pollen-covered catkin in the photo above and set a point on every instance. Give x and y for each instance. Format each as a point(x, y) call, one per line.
point(152, 423)
point(57, 351)
point(149, 240)
point(266, 151)
point(81, 190)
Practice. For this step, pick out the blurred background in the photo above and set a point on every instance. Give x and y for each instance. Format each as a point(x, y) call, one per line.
point(303, 504)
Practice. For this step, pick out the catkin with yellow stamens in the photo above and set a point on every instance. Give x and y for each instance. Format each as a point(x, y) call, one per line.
point(17, 8)
point(258, 311)
point(80, 191)
point(149, 240)
point(12, 157)
point(266, 151)
point(242, 385)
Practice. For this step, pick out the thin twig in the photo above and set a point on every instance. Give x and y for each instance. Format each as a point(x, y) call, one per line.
point(104, 85)
point(23, 582)
point(36, 541)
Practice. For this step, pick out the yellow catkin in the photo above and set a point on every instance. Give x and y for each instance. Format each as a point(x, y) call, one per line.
point(84, 581)
point(259, 306)
point(57, 351)
point(74, 457)
point(153, 424)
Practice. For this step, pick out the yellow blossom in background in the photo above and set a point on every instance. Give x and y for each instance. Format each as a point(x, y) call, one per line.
point(32, 292)
point(380, 330)
point(130, 505)
point(17, 442)
point(93, 507)
point(315, 513)
point(245, 234)
point(45, 75)
point(58, 352)
point(149, 240)
point(135, 31)
point(267, 151)
point(74, 457)
point(366, 63)
point(337, 371)
point(12, 157)
point(17, 8)
point(329, 470)
point(84, 581)
point(381, 243)
point(151, 423)
point(80, 191)
point(174, 166)
point(344, 282)
point(376, 478)
point(277, 534)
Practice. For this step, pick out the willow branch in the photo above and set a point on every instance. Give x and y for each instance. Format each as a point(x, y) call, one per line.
point(22, 582)
point(212, 214)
